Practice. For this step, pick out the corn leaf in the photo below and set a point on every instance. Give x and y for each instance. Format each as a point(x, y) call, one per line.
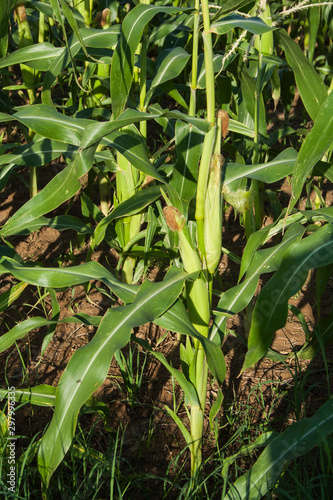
point(240, 128)
point(310, 85)
point(67, 276)
point(253, 24)
point(123, 58)
point(88, 367)
point(248, 86)
point(21, 329)
point(96, 131)
point(47, 122)
point(189, 142)
point(8, 297)
point(260, 237)
point(91, 38)
point(62, 187)
point(238, 297)
point(271, 309)
point(269, 172)
point(131, 206)
point(41, 395)
point(6, 8)
point(177, 320)
point(32, 53)
point(172, 62)
point(37, 153)
point(315, 145)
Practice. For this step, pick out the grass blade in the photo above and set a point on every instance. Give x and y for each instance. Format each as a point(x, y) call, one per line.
point(298, 439)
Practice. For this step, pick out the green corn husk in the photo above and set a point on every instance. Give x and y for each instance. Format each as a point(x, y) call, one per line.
point(213, 214)
point(197, 293)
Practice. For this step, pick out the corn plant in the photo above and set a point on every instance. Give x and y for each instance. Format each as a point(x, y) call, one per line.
point(181, 202)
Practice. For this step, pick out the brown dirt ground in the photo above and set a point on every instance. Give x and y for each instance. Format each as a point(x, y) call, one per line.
point(259, 388)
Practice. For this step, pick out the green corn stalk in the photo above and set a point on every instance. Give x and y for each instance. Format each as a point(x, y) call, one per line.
point(199, 313)
point(209, 142)
point(85, 8)
point(41, 27)
point(98, 92)
point(141, 76)
point(28, 75)
point(195, 50)
point(102, 70)
point(207, 255)
point(264, 44)
point(127, 179)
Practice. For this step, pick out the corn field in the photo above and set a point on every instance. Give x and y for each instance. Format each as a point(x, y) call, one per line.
point(145, 131)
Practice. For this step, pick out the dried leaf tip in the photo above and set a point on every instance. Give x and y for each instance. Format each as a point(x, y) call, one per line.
point(173, 218)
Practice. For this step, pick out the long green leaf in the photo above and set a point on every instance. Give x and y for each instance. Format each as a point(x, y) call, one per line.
point(269, 172)
point(21, 329)
point(189, 142)
point(5, 12)
point(311, 87)
point(248, 86)
point(298, 439)
point(240, 128)
point(316, 143)
point(67, 276)
point(31, 53)
point(96, 131)
point(91, 38)
point(271, 309)
point(89, 365)
point(131, 206)
point(61, 188)
point(238, 297)
point(47, 122)
point(37, 153)
point(123, 58)
point(11, 295)
point(253, 24)
point(260, 237)
point(173, 63)
point(177, 320)
point(41, 395)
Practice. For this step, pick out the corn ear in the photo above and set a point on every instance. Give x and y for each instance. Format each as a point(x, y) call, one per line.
point(197, 292)
point(176, 222)
point(213, 215)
